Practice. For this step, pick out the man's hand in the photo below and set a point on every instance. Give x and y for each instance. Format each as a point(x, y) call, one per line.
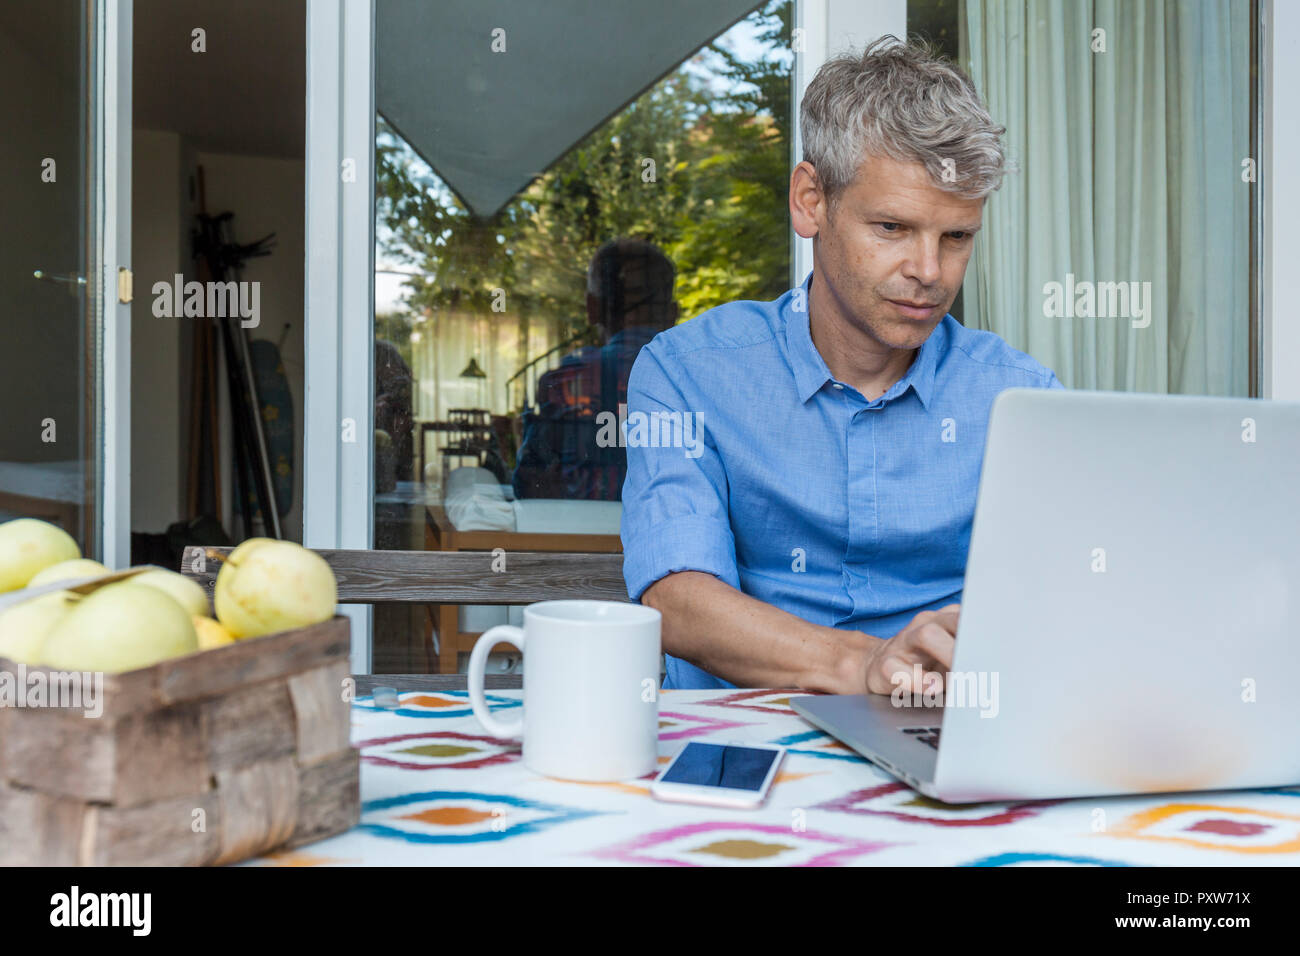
point(927, 640)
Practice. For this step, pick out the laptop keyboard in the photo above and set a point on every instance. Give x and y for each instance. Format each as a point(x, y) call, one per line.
point(926, 735)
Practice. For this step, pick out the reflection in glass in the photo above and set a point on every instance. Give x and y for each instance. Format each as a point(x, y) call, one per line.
point(507, 323)
point(570, 447)
point(47, 358)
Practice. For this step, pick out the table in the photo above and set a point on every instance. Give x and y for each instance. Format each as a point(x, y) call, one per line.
point(436, 790)
point(52, 491)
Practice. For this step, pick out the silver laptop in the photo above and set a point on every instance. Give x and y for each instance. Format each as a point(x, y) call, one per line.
point(1131, 614)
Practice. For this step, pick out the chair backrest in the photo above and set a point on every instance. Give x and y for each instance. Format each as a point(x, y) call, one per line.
point(450, 577)
point(469, 418)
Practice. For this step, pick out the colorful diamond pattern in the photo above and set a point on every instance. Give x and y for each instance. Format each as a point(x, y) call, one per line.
point(814, 743)
point(441, 704)
point(1041, 859)
point(440, 750)
point(900, 802)
point(763, 701)
point(458, 816)
point(678, 726)
point(739, 844)
point(1214, 827)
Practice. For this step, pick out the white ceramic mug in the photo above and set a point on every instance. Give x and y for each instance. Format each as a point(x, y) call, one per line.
point(591, 689)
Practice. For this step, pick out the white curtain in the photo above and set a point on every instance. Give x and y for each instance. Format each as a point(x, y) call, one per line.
point(1130, 170)
point(500, 343)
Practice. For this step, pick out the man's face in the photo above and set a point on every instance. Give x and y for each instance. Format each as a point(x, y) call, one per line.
point(893, 251)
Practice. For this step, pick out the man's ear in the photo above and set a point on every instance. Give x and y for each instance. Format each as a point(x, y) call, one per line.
point(807, 200)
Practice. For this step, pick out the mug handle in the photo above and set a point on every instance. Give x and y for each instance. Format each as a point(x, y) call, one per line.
point(504, 634)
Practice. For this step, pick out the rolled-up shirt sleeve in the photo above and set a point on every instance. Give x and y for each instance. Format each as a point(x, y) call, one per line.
point(675, 515)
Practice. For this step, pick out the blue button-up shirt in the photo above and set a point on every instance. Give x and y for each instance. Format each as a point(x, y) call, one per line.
point(792, 486)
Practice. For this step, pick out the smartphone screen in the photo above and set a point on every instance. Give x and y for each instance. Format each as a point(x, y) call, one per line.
point(718, 765)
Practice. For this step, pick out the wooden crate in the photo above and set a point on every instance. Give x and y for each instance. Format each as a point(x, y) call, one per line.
point(210, 758)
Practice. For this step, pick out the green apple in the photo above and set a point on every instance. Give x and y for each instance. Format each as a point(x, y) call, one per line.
point(23, 627)
point(211, 633)
point(184, 591)
point(246, 546)
point(120, 627)
point(265, 586)
point(67, 571)
point(28, 546)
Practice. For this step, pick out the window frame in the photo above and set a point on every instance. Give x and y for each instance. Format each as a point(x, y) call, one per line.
point(338, 429)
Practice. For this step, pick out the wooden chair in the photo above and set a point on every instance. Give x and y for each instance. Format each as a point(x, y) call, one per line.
point(450, 577)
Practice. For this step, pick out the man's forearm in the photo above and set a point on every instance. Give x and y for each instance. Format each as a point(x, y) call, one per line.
point(751, 643)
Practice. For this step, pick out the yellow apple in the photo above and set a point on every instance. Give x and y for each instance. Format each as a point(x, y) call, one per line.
point(120, 627)
point(246, 546)
point(67, 571)
point(23, 627)
point(187, 593)
point(28, 546)
point(266, 586)
point(211, 633)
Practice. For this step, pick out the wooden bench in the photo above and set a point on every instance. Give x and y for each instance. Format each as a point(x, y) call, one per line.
point(452, 577)
point(441, 535)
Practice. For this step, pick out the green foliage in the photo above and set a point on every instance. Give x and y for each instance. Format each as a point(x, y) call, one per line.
point(718, 132)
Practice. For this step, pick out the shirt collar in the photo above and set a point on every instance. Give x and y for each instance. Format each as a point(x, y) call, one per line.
point(811, 373)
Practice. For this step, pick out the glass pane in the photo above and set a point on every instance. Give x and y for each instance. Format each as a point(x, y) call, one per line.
point(47, 359)
point(217, 234)
point(512, 303)
point(1119, 253)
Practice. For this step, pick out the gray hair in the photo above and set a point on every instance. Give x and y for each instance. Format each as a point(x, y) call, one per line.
point(902, 101)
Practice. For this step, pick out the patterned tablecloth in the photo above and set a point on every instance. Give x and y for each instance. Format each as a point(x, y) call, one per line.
point(437, 790)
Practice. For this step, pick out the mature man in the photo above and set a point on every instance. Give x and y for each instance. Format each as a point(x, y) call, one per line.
point(819, 540)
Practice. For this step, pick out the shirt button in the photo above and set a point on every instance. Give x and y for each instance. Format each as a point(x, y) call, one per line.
point(838, 385)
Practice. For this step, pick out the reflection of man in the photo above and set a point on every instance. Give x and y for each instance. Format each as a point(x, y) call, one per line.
point(393, 405)
point(820, 540)
point(565, 452)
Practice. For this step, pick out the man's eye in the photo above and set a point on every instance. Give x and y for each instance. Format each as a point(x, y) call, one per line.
point(960, 236)
point(888, 226)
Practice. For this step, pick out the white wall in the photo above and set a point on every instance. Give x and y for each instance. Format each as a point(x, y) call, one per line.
point(266, 195)
point(158, 402)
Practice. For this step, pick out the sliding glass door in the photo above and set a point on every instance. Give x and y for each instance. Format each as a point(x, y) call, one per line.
point(543, 210)
point(58, 270)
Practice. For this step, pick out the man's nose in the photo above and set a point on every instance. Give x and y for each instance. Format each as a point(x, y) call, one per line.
point(923, 264)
